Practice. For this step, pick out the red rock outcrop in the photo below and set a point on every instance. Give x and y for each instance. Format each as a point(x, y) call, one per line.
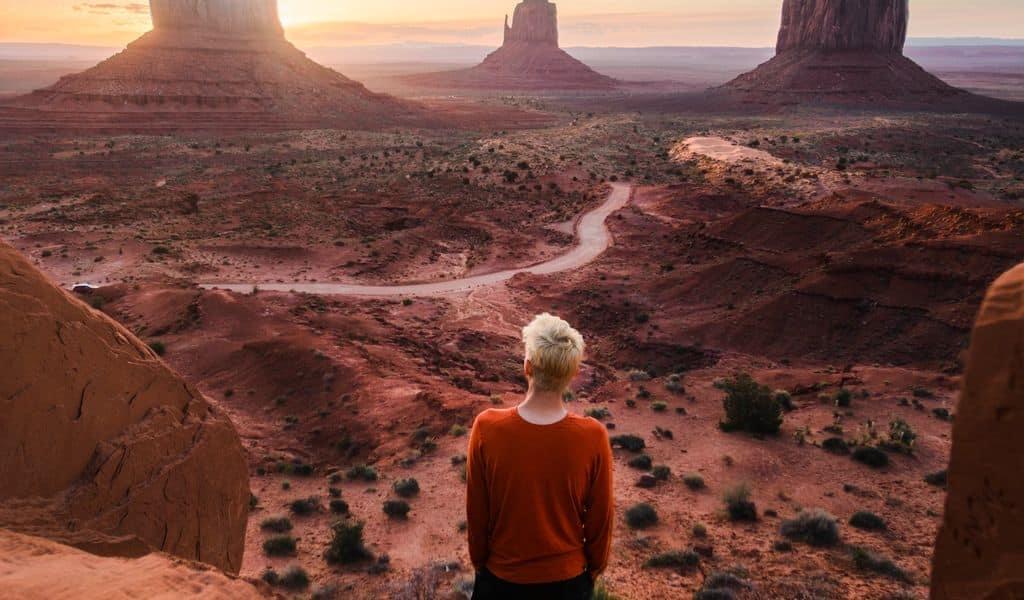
point(844, 25)
point(529, 59)
point(32, 568)
point(101, 445)
point(211, 64)
point(842, 51)
point(980, 549)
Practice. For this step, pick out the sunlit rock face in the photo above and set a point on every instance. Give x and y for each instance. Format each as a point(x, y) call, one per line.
point(844, 25)
point(980, 549)
point(534, 22)
point(240, 17)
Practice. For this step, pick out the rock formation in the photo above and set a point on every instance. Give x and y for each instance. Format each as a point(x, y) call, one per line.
point(32, 568)
point(980, 549)
point(848, 51)
point(217, 64)
point(529, 59)
point(102, 446)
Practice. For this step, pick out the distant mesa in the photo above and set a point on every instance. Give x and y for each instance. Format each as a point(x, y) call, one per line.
point(103, 447)
point(217, 63)
point(845, 51)
point(529, 59)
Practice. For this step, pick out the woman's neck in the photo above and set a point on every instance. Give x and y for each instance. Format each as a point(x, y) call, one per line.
point(542, 407)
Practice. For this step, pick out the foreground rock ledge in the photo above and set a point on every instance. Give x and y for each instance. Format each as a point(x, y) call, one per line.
point(101, 445)
point(980, 550)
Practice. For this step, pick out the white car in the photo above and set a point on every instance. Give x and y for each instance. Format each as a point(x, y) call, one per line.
point(84, 289)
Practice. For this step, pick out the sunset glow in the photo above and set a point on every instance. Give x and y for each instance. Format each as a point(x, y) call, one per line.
point(584, 22)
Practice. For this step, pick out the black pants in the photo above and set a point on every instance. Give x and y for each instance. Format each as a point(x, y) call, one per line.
point(489, 587)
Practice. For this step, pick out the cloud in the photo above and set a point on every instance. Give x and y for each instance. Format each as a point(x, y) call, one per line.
point(113, 8)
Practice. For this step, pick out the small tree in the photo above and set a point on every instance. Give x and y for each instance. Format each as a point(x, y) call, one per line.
point(347, 544)
point(750, 406)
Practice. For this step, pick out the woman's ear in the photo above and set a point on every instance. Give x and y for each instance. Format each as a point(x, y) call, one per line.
point(528, 368)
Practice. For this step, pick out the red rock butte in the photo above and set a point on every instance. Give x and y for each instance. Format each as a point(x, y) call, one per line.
point(842, 50)
point(224, 63)
point(529, 59)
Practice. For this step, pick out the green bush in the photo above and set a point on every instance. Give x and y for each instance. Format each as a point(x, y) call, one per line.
point(868, 560)
point(738, 505)
point(938, 478)
point(407, 488)
point(871, 456)
point(363, 472)
point(642, 462)
point(675, 559)
point(277, 524)
point(836, 445)
point(305, 506)
point(785, 400)
point(600, 414)
point(295, 578)
point(694, 481)
point(815, 527)
point(659, 406)
point(661, 472)
point(347, 544)
point(699, 530)
point(159, 348)
point(844, 398)
point(901, 436)
point(339, 507)
point(279, 545)
point(397, 509)
point(457, 430)
point(750, 406)
point(641, 516)
point(868, 521)
point(633, 443)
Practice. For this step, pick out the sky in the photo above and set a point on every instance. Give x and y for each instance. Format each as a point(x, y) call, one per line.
point(632, 23)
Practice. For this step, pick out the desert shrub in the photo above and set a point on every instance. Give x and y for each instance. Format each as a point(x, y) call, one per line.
point(347, 544)
point(659, 406)
point(397, 509)
point(457, 430)
point(597, 413)
point(694, 481)
point(782, 546)
point(601, 592)
point(339, 507)
point(363, 472)
point(720, 586)
point(158, 348)
point(661, 472)
point(295, 578)
point(815, 527)
point(868, 560)
point(871, 456)
point(279, 545)
point(750, 406)
point(271, 576)
point(938, 478)
point(714, 594)
point(675, 559)
point(641, 516)
point(326, 592)
point(785, 400)
point(920, 392)
point(868, 521)
point(639, 375)
point(738, 505)
point(674, 384)
point(642, 462)
point(836, 445)
point(407, 488)
point(901, 436)
point(334, 492)
point(276, 524)
point(304, 506)
point(844, 398)
point(633, 443)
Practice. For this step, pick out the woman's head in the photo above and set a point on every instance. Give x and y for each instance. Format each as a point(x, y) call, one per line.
point(554, 351)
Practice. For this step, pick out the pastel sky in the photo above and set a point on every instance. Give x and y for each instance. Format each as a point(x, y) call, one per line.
point(583, 22)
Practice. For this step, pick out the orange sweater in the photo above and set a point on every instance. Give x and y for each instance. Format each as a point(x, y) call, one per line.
point(539, 497)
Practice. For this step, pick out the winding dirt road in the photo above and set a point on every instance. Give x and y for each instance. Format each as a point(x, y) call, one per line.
point(593, 238)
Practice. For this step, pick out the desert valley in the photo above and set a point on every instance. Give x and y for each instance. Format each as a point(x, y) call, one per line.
point(251, 308)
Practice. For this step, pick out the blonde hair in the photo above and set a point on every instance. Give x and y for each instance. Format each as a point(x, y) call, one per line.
point(554, 349)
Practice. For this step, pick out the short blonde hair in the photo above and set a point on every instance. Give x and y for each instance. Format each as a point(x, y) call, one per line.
point(554, 349)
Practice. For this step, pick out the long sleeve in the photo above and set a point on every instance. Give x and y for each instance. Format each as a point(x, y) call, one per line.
point(600, 516)
point(478, 516)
